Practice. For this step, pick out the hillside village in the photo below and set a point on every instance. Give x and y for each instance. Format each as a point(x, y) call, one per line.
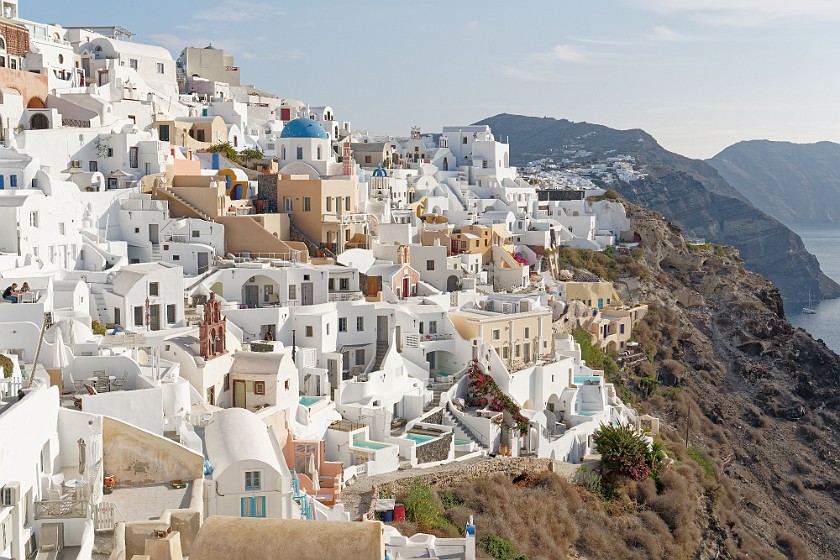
point(223, 302)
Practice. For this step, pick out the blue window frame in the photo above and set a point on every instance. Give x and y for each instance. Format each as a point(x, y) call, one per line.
point(252, 507)
point(253, 480)
point(2, 185)
point(13, 181)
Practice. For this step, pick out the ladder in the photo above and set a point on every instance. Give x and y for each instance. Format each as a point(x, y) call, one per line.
point(47, 318)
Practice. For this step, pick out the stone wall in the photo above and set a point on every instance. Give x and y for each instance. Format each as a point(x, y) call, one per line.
point(434, 451)
point(267, 192)
point(509, 466)
point(16, 37)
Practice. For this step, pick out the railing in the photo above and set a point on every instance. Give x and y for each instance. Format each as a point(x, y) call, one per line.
point(75, 123)
point(345, 296)
point(178, 238)
point(60, 509)
point(10, 387)
point(414, 340)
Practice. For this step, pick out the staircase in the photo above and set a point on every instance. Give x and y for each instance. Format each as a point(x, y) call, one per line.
point(101, 306)
point(191, 209)
point(381, 350)
point(462, 432)
point(156, 256)
point(295, 234)
point(435, 402)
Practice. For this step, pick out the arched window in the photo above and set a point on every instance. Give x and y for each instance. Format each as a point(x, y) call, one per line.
point(39, 121)
point(2, 43)
point(283, 153)
point(319, 152)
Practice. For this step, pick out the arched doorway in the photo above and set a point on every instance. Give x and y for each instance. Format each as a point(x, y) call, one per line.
point(39, 121)
point(452, 284)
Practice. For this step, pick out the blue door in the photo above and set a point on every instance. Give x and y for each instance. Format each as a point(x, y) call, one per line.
point(600, 303)
point(252, 507)
point(2, 182)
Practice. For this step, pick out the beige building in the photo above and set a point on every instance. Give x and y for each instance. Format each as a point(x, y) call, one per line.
point(326, 211)
point(518, 338)
point(598, 295)
point(192, 132)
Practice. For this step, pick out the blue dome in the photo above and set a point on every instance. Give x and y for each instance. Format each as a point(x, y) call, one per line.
point(380, 172)
point(303, 128)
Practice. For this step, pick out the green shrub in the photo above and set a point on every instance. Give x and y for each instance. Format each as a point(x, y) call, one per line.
point(423, 507)
point(7, 365)
point(500, 549)
point(626, 453)
point(98, 328)
point(707, 465)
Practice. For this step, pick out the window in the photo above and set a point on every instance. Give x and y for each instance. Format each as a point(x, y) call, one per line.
point(360, 323)
point(33, 219)
point(421, 327)
point(343, 283)
point(306, 278)
point(160, 68)
point(259, 389)
point(267, 291)
point(137, 230)
point(527, 332)
point(463, 244)
point(93, 166)
point(360, 356)
point(170, 313)
point(464, 140)
point(368, 159)
point(292, 292)
point(347, 203)
point(309, 331)
point(432, 327)
point(154, 289)
point(138, 316)
point(253, 479)
point(132, 63)
point(329, 204)
point(307, 204)
point(252, 507)
point(516, 350)
point(176, 257)
point(496, 334)
point(342, 324)
point(163, 132)
point(299, 152)
point(196, 233)
point(319, 153)
point(61, 228)
point(287, 203)
point(505, 352)
point(133, 154)
point(430, 265)
point(110, 152)
point(287, 385)
point(621, 329)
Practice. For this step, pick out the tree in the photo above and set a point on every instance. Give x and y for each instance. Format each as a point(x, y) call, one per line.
point(225, 149)
point(249, 154)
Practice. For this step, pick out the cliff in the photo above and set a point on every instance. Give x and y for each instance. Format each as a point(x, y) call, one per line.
point(794, 183)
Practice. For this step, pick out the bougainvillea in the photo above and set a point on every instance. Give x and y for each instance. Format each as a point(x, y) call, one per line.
point(484, 386)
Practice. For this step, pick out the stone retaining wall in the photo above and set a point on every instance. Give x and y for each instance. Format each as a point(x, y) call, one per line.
point(435, 451)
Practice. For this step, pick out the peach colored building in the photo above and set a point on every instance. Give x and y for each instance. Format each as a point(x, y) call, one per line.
point(518, 338)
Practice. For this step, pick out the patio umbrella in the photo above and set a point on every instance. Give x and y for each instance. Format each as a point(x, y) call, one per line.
point(313, 473)
point(82, 456)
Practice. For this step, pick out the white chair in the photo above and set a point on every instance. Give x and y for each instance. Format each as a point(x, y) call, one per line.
point(50, 541)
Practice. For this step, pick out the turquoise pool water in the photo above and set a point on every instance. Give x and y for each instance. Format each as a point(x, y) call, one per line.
point(582, 380)
point(309, 401)
point(419, 438)
point(369, 445)
point(586, 413)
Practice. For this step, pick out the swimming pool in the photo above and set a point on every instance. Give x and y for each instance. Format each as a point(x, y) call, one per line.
point(419, 438)
point(309, 401)
point(582, 380)
point(586, 413)
point(369, 445)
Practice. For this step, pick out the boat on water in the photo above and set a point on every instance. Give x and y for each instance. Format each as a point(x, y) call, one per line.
point(809, 310)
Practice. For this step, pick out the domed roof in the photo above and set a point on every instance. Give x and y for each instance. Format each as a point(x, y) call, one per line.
point(380, 172)
point(303, 128)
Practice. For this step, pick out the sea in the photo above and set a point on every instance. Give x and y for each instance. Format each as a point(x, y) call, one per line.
point(822, 240)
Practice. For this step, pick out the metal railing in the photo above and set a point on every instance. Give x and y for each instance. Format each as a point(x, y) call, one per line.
point(345, 296)
point(414, 340)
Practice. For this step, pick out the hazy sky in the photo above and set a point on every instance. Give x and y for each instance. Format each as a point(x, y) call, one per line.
point(697, 74)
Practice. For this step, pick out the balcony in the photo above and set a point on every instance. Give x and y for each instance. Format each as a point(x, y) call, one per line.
point(416, 340)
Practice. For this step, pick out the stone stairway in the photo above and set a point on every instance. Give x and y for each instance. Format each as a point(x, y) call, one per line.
point(183, 202)
point(156, 255)
point(101, 306)
point(435, 402)
point(462, 432)
point(295, 234)
point(381, 350)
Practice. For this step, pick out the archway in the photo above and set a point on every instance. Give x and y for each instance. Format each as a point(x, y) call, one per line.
point(452, 284)
point(39, 121)
point(36, 103)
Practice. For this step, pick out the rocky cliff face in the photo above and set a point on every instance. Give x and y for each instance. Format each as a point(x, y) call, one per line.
point(763, 396)
point(689, 192)
point(794, 183)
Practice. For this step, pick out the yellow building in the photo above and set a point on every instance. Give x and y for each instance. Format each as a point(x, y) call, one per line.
point(594, 294)
point(518, 338)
